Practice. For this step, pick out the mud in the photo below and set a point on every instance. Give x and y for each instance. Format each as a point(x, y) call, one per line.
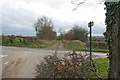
point(13, 68)
point(58, 46)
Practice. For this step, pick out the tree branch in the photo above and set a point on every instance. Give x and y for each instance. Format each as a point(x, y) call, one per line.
point(80, 3)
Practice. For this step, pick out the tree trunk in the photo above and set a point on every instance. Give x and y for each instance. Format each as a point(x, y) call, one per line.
point(115, 49)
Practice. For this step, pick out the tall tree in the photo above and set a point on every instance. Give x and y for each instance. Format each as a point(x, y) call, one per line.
point(44, 28)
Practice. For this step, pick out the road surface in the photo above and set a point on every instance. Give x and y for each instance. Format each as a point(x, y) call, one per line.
point(18, 62)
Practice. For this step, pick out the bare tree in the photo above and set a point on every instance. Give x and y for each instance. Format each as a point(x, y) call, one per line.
point(62, 33)
point(44, 28)
point(79, 33)
point(76, 33)
point(77, 3)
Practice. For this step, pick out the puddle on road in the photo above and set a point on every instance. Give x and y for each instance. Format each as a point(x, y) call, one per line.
point(3, 55)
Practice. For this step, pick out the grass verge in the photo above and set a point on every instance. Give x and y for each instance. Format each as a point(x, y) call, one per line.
point(103, 66)
point(43, 45)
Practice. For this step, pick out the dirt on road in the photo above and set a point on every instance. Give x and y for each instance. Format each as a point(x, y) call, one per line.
point(13, 68)
point(57, 46)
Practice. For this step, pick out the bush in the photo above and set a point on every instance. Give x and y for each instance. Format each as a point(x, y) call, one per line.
point(72, 65)
point(75, 44)
point(5, 40)
point(18, 40)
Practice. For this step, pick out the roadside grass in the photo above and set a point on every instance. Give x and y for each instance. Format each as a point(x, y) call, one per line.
point(45, 44)
point(99, 50)
point(103, 66)
point(27, 42)
point(78, 45)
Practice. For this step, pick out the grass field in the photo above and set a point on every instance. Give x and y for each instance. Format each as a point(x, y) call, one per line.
point(103, 66)
point(78, 45)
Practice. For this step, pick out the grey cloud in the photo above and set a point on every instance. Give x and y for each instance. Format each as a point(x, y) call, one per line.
point(24, 32)
point(17, 21)
point(98, 28)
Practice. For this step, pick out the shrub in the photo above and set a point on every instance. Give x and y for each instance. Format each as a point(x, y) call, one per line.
point(75, 44)
point(18, 40)
point(72, 65)
point(5, 40)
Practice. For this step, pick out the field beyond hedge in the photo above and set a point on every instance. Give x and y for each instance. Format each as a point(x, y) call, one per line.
point(26, 42)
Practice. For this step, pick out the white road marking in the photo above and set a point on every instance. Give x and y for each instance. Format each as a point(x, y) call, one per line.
point(6, 62)
point(29, 52)
point(3, 55)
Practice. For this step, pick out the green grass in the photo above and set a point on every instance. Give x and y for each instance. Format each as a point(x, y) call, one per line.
point(24, 45)
point(46, 44)
point(100, 50)
point(78, 45)
point(94, 49)
point(103, 66)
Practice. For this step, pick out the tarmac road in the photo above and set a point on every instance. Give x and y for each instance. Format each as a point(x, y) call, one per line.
point(18, 62)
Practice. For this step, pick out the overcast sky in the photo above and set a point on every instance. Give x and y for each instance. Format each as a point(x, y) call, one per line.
point(19, 16)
